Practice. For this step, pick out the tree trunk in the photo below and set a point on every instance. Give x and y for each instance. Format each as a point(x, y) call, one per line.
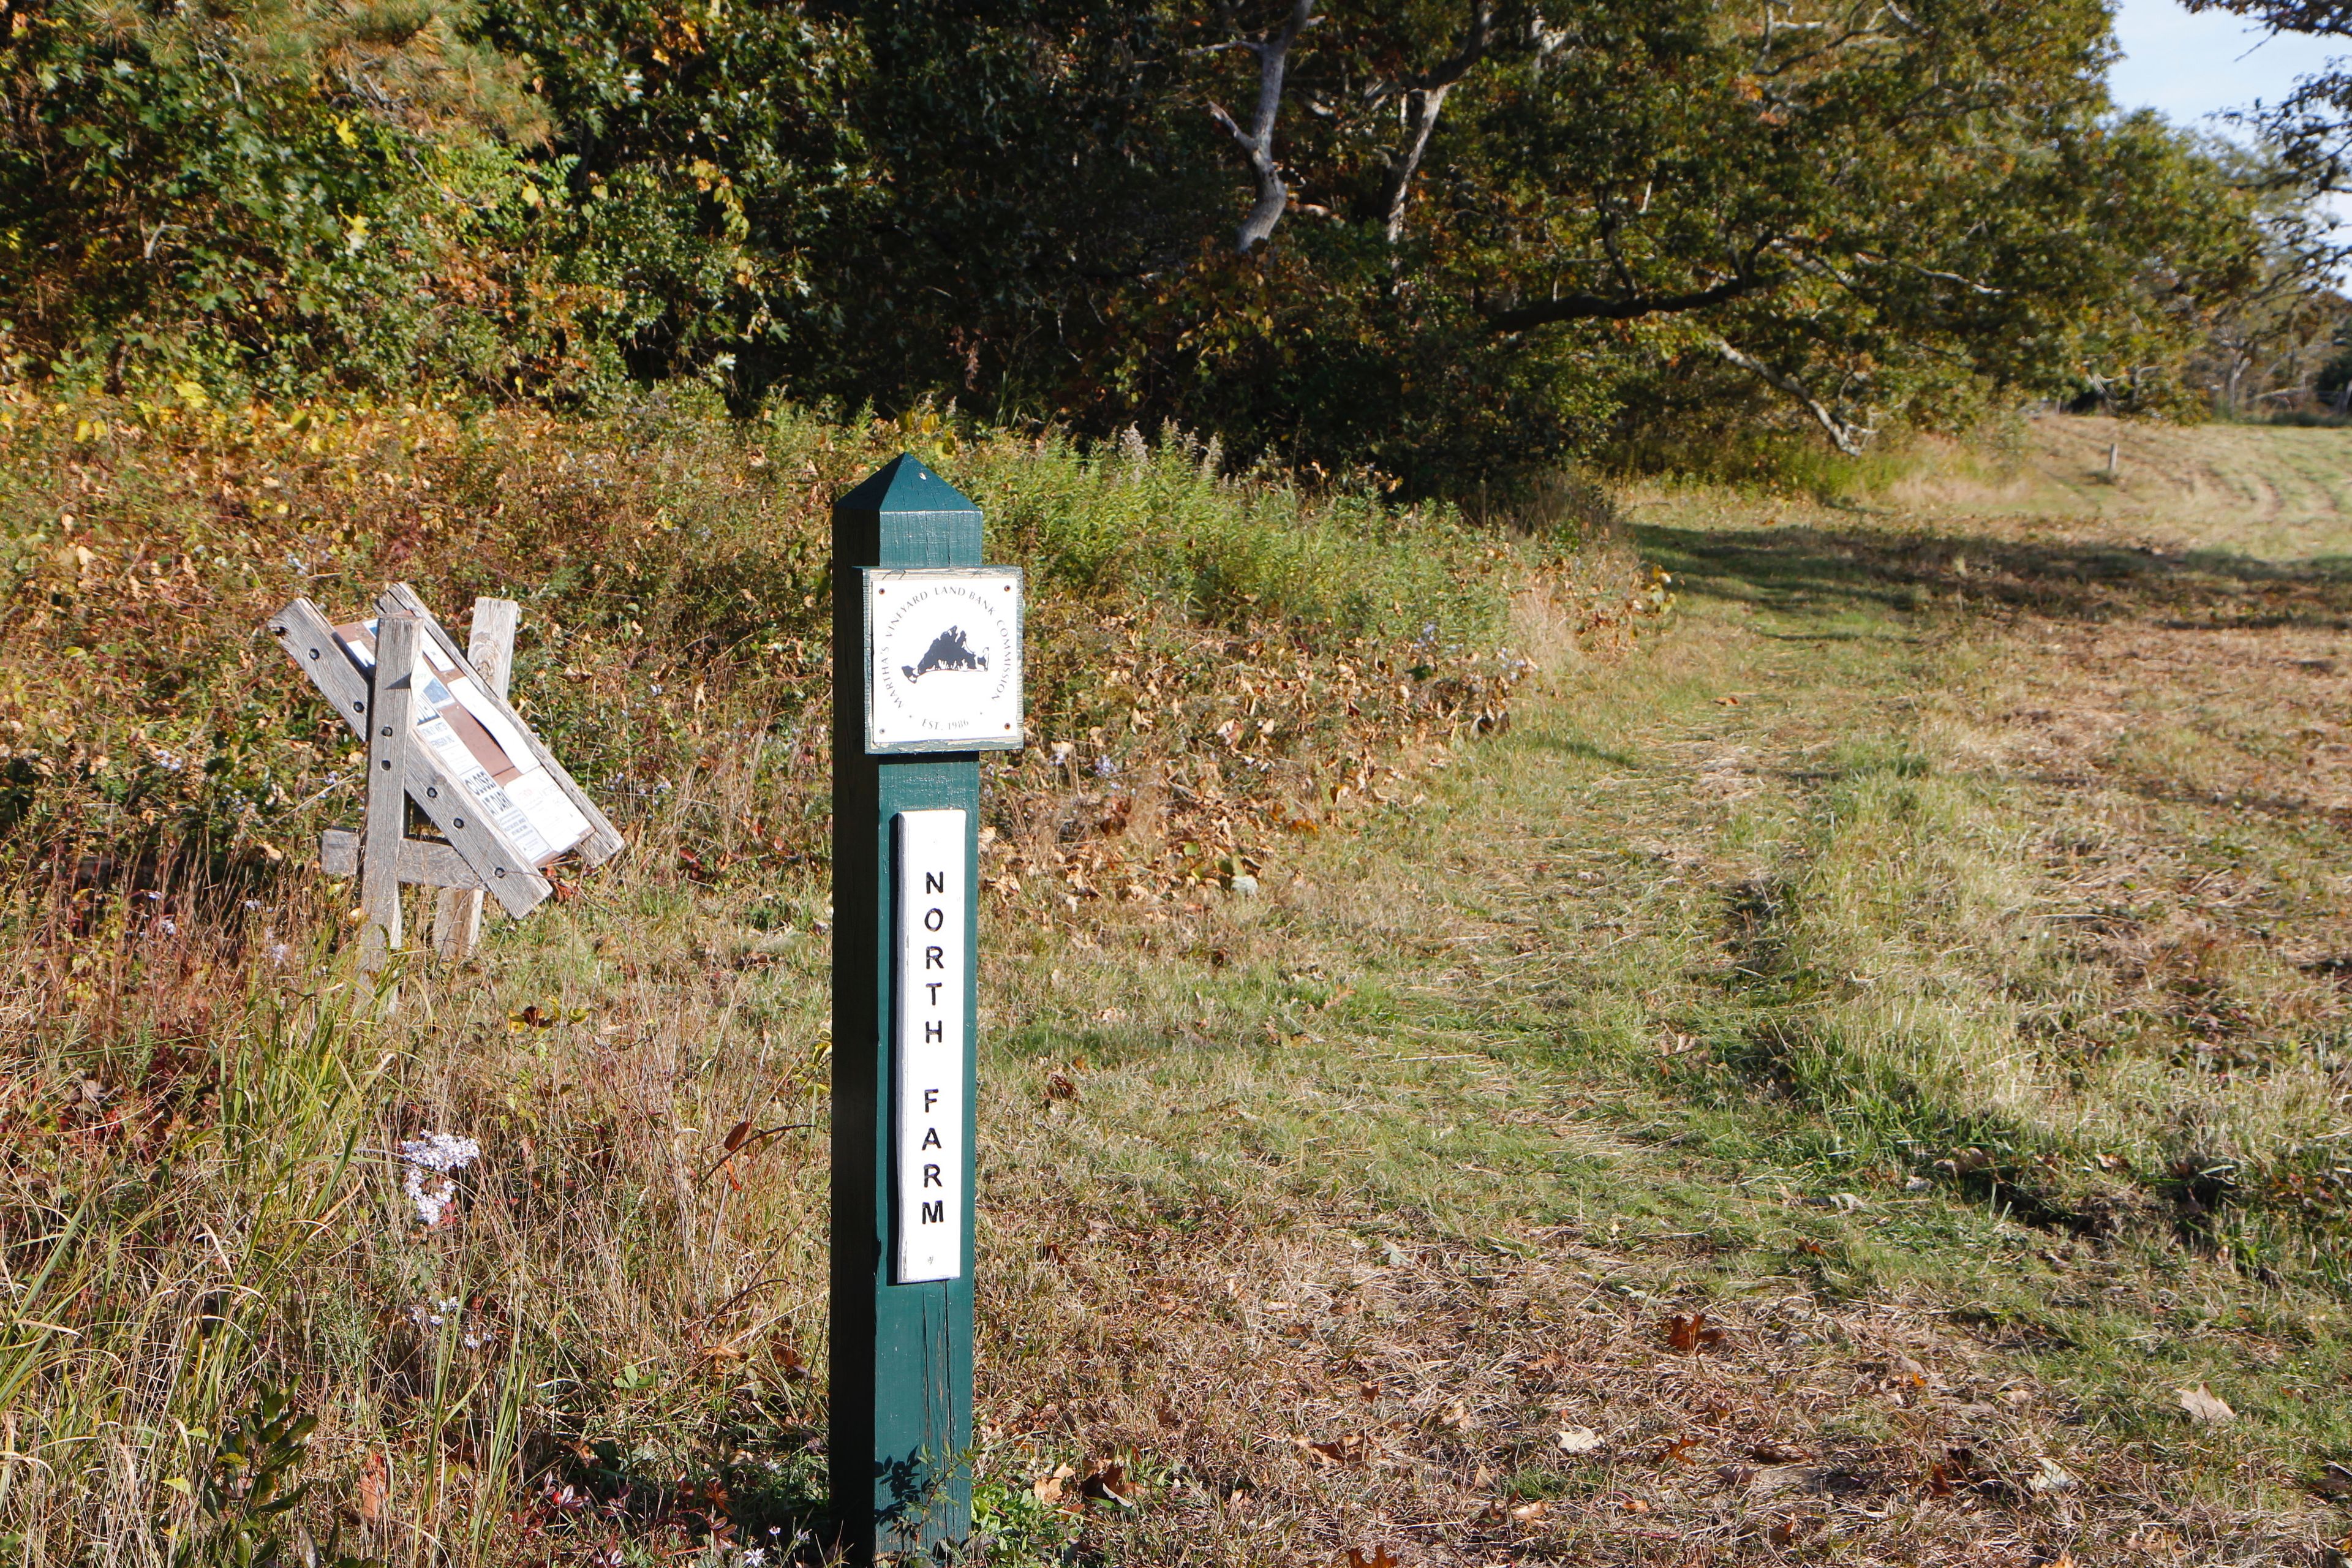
point(1257, 142)
point(1425, 98)
point(1846, 436)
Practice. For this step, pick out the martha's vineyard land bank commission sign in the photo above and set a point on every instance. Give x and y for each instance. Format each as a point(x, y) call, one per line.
point(943, 659)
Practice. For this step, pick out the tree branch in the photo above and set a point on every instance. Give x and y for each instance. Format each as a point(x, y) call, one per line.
point(1425, 97)
point(1625, 307)
point(2323, 17)
point(1257, 142)
point(1848, 438)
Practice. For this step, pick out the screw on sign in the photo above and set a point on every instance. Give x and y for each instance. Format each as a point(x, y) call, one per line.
point(927, 675)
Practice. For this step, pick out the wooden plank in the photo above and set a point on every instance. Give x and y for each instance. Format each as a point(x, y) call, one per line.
point(422, 860)
point(391, 736)
point(438, 866)
point(491, 650)
point(603, 840)
point(511, 878)
point(309, 640)
point(458, 909)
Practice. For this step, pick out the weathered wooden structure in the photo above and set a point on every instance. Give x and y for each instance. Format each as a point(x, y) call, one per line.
point(486, 844)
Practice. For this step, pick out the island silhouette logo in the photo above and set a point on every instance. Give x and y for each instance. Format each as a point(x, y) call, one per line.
point(948, 651)
point(943, 658)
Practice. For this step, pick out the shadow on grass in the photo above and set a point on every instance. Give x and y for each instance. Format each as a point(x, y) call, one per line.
point(1882, 576)
point(589, 1492)
point(1573, 746)
point(1813, 570)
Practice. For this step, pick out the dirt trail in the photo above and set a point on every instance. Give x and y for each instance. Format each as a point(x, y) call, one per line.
point(1743, 1111)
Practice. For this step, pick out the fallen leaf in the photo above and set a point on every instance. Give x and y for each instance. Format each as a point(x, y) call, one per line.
point(1528, 1512)
point(1048, 1488)
point(1692, 1333)
point(1788, 1531)
point(2205, 1409)
point(1059, 1086)
point(1378, 1559)
point(1110, 1484)
point(1578, 1440)
point(1347, 1450)
point(2051, 1478)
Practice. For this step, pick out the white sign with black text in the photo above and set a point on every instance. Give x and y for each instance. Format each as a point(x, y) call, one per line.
point(943, 658)
point(931, 1035)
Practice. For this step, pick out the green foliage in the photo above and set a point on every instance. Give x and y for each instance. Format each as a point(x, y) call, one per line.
point(1020, 1531)
point(1658, 207)
point(267, 194)
point(248, 1483)
point(709, 158)
point(1155, 520)
point(1507, 237)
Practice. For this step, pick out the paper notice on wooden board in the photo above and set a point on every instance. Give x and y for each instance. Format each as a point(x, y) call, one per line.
point(484, 752)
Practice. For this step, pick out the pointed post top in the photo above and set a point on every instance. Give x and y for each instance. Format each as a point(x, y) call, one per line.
point(906, 515)
point(903, 484)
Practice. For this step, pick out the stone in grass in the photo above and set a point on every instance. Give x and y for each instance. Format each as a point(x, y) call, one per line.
point(1245, 885)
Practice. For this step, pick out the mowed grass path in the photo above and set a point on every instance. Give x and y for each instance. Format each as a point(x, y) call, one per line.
point(1820, 1086)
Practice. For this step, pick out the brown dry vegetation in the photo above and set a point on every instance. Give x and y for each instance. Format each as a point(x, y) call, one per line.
point(1818, 1086)
point(203, 1200)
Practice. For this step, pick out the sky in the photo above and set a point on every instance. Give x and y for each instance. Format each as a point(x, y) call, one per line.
point(2192, 65)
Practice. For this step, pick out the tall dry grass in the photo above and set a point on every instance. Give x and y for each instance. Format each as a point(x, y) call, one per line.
point(604, 1345)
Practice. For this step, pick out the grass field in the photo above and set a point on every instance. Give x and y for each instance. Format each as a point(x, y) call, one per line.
point(1857, 1076)
point(1923, 968)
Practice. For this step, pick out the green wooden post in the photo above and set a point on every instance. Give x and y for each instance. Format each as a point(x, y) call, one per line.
point(901, 1353)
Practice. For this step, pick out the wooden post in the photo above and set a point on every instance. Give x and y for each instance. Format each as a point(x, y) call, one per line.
point(391, 736)
point(901, 1353)
point(457, 911)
